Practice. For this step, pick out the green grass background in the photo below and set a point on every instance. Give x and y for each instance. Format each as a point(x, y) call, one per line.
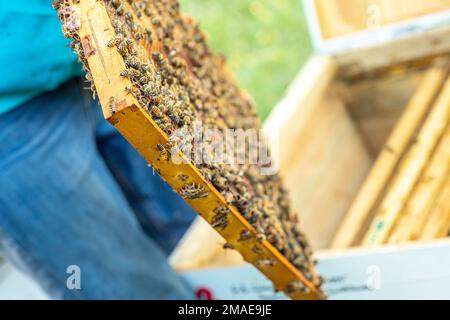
point(266, 42)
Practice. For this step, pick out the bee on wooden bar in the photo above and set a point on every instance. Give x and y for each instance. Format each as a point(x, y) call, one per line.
point(228, 196)
point(257, 250)
point(112, 43)
point(182, 177)
point(112, 105)
point(264, 263)
point(220, 219)
point(163, 152)
point(125, 73)
point(297, 286)
point(193, 191)
point(245, 235)
point(228, 246)
point(134, 91)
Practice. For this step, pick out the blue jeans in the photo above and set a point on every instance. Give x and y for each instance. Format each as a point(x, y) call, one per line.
point(73, 192)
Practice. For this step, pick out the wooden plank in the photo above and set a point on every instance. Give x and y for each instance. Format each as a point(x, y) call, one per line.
point(342, 17)
point(425, 195)
point(409, 171)
point(438, 224)
point(143, 133)
point(360, 213)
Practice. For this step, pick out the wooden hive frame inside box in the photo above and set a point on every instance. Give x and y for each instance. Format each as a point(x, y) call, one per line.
point(131, 120)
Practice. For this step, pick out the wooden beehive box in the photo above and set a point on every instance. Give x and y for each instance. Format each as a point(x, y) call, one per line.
point(375, 60)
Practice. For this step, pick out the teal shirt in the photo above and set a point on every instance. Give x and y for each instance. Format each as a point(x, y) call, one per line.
point(34, 55)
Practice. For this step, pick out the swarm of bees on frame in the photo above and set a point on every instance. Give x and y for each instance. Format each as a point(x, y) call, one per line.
point(178, 80)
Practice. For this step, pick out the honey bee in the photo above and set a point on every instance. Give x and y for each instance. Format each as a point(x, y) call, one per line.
point(157, 56)
point(88, 77)
point(221, 210)
point(147, 90)
point(258, 250)
point(125, 73)
point(134, 91)
point(183, 177)
point(147, 11)
point(145, 68)
point(228, 246)
point(229, 197)
point(56, 4)
point(264, 263)
point(307, 274)
point(220, 219)
point(318, 281)
point(260, 237)
point(156, 112)
point(245, 235)
point(295, 286)
point(112, 43)
point(144, 80)
point(116, 3)
point(135, 31)
point(129, 17)
point(120, 10)
point(221, 224)
point(132, 62)
point(121, 29)
point(300, 260)
point(112, 105)
point(193, 191)
point(160, 147)
point(156, 21)
point(129, 44)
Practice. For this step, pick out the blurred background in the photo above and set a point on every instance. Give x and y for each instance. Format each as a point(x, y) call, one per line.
point(266, 42)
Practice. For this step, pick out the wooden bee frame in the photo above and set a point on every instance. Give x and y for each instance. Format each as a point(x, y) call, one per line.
point(124, 112)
